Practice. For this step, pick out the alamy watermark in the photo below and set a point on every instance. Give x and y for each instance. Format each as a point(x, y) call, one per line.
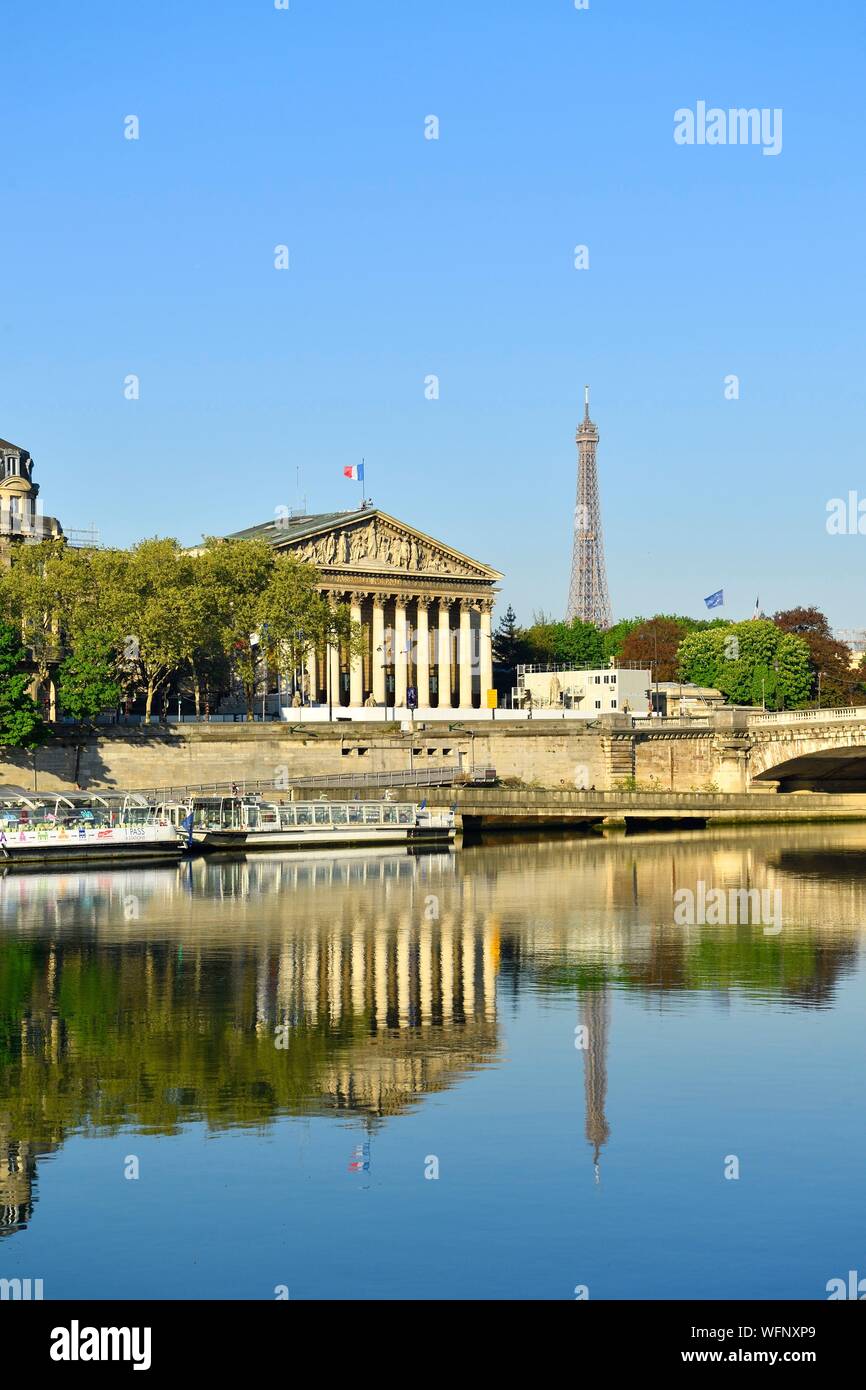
point(737, 126)
point(728, 907)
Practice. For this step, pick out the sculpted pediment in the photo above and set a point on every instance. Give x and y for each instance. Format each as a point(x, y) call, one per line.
point(381, 544)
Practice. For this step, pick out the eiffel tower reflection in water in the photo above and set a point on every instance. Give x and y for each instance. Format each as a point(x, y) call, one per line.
point(151, 999)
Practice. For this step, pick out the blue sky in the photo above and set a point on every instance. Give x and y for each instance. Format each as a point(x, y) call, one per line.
point(452, 257)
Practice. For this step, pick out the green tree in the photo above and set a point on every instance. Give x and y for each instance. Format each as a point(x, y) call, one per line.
point(88, 682)
point(744, 660)
point(235, 575)
point(146, 602)
point(507, 640)
point(32, 593)
point(577, 644)
point(297, 620)
point(21, 724)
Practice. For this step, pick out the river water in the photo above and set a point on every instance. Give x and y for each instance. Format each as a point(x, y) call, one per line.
point(516, 1070)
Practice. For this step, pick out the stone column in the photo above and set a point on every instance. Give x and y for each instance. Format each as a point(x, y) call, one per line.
point(465, 667)
point(422, 658)
point(485, 652)
point(356, 666)
point(378, 649)
point(444, 654)
point(313, 674)
point(400, 656)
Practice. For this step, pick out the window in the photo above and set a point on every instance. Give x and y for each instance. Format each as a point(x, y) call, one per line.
point(356, 812)
point(597, 680)
point(339, 814)
point(372, 815)
point(598, 704)
point(613, 704)
point(304, 814)
point(321, 809)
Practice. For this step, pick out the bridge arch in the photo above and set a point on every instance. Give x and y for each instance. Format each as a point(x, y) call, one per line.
point(810, 757)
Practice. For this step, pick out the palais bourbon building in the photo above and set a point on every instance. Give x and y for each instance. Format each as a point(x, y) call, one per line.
point(425, 609)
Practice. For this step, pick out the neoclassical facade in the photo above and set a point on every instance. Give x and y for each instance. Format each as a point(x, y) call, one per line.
point(425, 610)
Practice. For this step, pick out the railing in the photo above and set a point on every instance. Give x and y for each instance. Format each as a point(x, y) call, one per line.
point(405, 777)
point(799, 716)
point(544, 669)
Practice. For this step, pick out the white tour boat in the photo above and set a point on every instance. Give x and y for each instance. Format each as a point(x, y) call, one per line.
point(39, 828)
point(246, 823)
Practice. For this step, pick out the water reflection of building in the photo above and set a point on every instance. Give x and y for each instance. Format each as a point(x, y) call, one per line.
point(17, 1170)
point(423, 992)
point(382, 970)
point(299, 1002)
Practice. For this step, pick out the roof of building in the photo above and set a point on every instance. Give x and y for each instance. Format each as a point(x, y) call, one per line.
point(5, 444)
point(688, 689)
point(293, 528)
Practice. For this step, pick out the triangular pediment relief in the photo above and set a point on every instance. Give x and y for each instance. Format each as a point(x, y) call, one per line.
point(380, 544)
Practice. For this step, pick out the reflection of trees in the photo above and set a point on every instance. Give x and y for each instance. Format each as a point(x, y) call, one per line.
point(804, 969)
point(382, 971)
point(98, 1035)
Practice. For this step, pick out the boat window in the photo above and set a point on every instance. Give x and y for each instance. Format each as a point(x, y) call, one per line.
point(287, 816)
point(389, 815)
point(405, 815)
point(269, 815)
point(355, 813)
point(322, 808)
point(251, 816)
point(304, 814)
point(339, 814)
point(372, 814)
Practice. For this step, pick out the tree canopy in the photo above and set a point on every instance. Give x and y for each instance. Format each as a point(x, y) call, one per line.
point(131, 621)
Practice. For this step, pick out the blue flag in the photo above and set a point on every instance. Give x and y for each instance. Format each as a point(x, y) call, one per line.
point(186, 824)
point(716, 600)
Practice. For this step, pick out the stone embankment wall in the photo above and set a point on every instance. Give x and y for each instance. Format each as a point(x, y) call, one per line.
point(546, 754)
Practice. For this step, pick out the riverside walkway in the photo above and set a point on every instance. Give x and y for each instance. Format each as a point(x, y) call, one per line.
point(486, 807)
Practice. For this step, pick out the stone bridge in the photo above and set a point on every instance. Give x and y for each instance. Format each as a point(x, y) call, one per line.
point(737, 751)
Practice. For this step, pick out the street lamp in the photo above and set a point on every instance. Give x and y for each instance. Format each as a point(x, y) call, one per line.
point(384, 668)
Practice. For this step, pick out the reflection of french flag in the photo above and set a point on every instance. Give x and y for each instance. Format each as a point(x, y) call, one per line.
point(355, 471)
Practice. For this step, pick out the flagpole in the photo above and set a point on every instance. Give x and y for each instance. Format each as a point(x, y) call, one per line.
point(363, 486)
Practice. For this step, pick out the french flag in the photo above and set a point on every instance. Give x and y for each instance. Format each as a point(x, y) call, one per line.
point(355, 471)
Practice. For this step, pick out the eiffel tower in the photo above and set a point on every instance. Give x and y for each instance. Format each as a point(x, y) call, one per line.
point(588, 597)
